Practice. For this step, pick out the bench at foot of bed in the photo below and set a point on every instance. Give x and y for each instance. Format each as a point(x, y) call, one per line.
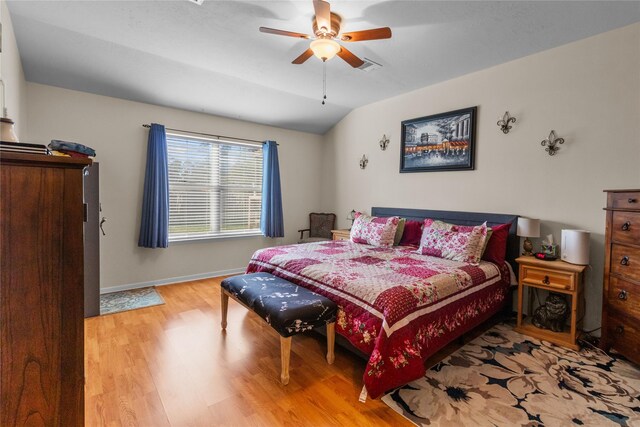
point(286, 307)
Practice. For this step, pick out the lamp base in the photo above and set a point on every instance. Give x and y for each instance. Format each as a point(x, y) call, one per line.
point(527, 247)
point(7, 132)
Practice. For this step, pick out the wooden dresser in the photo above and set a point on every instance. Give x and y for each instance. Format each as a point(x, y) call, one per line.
point(621, 299)
point(41, 290)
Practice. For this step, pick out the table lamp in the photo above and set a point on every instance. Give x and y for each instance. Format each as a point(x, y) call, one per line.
point(528, 227)
point(7, 131)
point(351, 217)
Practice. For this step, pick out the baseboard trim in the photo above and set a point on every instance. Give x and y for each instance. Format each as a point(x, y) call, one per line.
point(169, 281)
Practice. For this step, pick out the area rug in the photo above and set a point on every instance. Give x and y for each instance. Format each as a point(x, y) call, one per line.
point(132, 299)
point(503, 378)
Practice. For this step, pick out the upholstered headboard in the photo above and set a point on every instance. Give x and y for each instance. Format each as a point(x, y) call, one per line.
point(461, 218)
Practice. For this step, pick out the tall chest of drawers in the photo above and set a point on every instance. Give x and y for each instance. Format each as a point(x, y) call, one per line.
point(621, 299)
point(41, 291)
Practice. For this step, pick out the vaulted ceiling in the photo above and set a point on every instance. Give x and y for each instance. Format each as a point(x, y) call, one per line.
point(211, 58)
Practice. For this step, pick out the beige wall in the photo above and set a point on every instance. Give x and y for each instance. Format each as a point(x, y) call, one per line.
point(113, 128)
point(12, 75)
point(588, 91)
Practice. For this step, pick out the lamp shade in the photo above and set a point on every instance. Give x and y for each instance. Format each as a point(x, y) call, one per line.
point(528, 227)
point(325, 49)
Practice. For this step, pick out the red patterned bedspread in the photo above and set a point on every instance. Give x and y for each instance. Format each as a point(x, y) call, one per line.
point(394, 305)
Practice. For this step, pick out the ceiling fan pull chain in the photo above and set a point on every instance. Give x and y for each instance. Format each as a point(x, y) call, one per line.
point(324, 81)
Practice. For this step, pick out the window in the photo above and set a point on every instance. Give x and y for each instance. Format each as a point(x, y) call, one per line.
point(215, 188)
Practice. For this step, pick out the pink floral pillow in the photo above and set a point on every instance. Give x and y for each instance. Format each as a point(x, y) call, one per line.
point(457, 243)
point(436, 223)
point(373, 230)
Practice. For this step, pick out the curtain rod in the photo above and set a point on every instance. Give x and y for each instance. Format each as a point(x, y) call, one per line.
point(209, 134)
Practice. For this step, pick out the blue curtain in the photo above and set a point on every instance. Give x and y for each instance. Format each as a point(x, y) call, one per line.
point(154, 226)
point(271, 222)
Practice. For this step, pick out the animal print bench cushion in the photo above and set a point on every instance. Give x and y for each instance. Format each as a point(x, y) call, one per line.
point(288, 308)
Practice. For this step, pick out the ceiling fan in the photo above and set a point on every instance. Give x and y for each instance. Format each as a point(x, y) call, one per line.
point(326, 30)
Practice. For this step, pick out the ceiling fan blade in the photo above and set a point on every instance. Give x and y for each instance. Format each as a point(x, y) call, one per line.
point(302, 58)
point(350, 58)
point(374, 34)
point(323, 14)
point(284, 33)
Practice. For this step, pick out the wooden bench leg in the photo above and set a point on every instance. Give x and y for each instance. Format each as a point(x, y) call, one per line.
point(224, 302)
point(285, 353)
point(331, 341)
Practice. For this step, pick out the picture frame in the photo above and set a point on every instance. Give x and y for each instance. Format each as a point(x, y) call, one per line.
point(440, 142)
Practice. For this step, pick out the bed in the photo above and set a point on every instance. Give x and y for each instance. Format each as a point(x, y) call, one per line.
point(396, 306)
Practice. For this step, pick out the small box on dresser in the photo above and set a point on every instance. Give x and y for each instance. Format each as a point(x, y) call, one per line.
point(621, 296)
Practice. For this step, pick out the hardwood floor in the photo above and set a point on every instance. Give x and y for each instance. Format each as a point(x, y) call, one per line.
point(171, 365)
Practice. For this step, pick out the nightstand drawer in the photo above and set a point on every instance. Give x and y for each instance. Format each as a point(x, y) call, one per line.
point(624, 296)
point(341, 234)
point(629, 200)
point(548, 278)
point(623, 335)
point(625, 261)
point(625, 227)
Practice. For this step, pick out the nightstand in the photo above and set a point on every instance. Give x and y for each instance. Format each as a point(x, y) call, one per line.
point(340, 234)
point(554, 276)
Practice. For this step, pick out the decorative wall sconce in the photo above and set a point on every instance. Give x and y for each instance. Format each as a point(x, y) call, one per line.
point(384, 142)
point(363, 162)
point(551, 143)
point(505, 121)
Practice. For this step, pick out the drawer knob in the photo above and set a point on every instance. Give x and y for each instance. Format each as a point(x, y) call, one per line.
point(632, 200)
point(626, 226)
point(546, 280)
point(622, 295)
point(620, 330)
point(624, 260)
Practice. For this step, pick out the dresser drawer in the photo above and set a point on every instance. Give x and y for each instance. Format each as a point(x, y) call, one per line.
point(629, 200)
point(624, 296)
point(548, 279)
point(625, 261)
point(625, 227)
point(623, 335)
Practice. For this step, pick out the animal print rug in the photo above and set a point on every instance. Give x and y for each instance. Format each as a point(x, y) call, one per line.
point(504, 378)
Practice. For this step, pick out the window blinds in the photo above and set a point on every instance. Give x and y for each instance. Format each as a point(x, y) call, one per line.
point(214, 188)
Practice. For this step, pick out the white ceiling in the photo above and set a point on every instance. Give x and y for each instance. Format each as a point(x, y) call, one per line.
point(212, 59)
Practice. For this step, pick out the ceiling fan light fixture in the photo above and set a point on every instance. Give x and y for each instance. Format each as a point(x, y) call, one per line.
point(325, 49)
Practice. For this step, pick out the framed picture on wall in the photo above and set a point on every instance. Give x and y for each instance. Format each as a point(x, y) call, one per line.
point(442, 142)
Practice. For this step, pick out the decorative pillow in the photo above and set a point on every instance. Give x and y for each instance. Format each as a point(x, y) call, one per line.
point(496, 248)
point(399, 231)
point(452, 243)
point(373, 230)
point(436, 223)
point(412, 233)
